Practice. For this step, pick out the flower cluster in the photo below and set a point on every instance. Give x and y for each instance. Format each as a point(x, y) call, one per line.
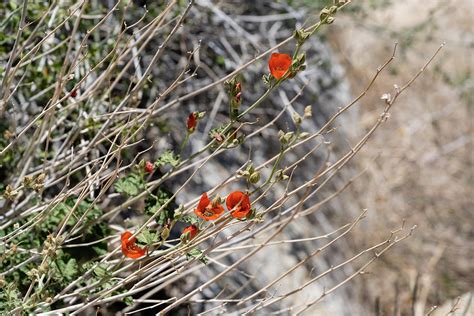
point(238, 203)
point(282, 66)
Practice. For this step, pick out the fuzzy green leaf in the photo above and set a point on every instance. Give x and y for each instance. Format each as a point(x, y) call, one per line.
point(147, 237)
point(196, 253)
point(168, 158)
point(130, 185)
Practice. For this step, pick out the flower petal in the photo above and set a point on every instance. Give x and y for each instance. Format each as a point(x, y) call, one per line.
point(125, 236)
point(203, 202)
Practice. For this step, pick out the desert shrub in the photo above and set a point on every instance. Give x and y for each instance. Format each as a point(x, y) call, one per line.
point(126, 184)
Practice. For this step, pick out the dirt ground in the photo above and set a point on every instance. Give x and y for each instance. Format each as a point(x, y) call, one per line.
point(419, 165)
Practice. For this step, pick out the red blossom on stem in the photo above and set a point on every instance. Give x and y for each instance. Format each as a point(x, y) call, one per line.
point(192, 230)
point(129, 246)
point(279, 64)
point(149, 167)
point(192, 122)
point(207, 209)
point(239, 204)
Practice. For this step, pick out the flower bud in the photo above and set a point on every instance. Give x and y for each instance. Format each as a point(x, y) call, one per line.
point(43, 268)
point(324, 13)
point(297, 118)
point(300, 35)
point(191, 122)
point(303, 135)
point(308, 112)
point(280, 175)
point(32, 273)
point(165, 233)
point(217, 200)
point(7, 134)
point(149, 167)
point(10, 193)
point(254, 177)
point(287, 137)
point(301, 58)
point(27, 181)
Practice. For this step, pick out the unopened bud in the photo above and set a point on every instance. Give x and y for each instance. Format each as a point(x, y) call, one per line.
point(254, 177)
point(297, 118)
point(165, 233)
point(308, 112)
point(191, 122)
point(10, 193)
point(27, 181)
point(303, 135)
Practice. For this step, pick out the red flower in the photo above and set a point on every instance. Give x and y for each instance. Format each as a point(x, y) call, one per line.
point(207, 209)
point(192, 230)
point(238, 203)
point(149, 167)
point(192, 121)
point(279, 64)
point(129, 248)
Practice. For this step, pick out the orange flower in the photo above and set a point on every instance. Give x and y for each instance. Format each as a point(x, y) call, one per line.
point(238, 203)
point(192, 230)
point(149, 167)
point(207, 209)
point(279, 64)
point(192, 122)
point(129, 248)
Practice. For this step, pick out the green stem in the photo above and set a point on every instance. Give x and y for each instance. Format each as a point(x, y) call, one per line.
point(274, 168)
point(183, 144)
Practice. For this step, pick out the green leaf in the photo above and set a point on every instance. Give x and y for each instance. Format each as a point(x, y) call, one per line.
point(99, 250)
point(102, 271)
point(130, 185)
point(168, 158)
point(65, 271)
point(128, 300)
point(196, 253)
point(70, 268)
point(189, 219)
point(147, 237)
point(155, 201)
